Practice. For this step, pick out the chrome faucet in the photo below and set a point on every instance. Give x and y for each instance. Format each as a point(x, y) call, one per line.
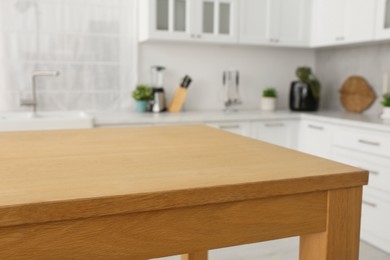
point(32, 102)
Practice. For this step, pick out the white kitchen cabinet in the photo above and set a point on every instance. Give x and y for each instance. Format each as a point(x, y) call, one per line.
point(369, 150)
point(185, 20)
point(382, 27)
point(375, 224)
point(217, 20)
point(164, 19)
point(275, 22)
point(315, 138)
point(278, 132)
point(343, 21)
point(240, 128)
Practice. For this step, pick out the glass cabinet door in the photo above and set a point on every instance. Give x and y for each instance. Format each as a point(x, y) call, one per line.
point(386, 19)
point(162, 15)
point(218, 19)
point(383, 20)
point(171, 16)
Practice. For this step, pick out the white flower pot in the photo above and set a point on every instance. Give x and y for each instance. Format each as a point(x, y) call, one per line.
point(268, 103)
point(385, 113)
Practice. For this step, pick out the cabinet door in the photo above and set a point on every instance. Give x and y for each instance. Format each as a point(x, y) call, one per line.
point(382, 30)
point(289, 23)
point(164, 19)
point(315, 138)
point(343, 21)
point(330, 21)
point(360, 20)
point(275, 22)
point(216, 20)
point(279, 132)
point(254, 21)
point(240, 128)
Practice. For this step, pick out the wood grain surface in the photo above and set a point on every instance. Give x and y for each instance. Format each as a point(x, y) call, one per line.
point(342, 237)
point(58, 175)
point(168, 232)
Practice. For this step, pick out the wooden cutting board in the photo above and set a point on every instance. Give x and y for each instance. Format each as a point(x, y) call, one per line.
point(356, 95)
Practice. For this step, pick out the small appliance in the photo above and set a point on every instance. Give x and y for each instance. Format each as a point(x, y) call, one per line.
point(158, 104)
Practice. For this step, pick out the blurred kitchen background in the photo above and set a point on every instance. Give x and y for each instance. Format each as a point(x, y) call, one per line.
point(93, 43)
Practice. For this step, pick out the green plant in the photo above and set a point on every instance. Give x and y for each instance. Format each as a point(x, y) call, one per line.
point(142, 92)
point(270, 92)
point(386, 100)
point(305, 75)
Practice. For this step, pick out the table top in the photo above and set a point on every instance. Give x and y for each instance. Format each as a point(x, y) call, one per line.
point(57, 175)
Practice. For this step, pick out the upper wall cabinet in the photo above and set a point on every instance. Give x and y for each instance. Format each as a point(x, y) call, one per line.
point(189, 20)
point(382, 30)
point(216, 20)
point(275, 22)
point(343, 21)
point(164, 19)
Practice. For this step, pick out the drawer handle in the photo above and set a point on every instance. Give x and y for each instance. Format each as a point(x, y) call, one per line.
point(316, 127)
point(374, 172)
point(274, 125)
point(370, 204)
point(362, 141)
point(229, 126)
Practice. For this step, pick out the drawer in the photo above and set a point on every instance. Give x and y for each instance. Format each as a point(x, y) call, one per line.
point(379, 167)
point(366, 141)
point(315, 138)
point(240, 128)
point(375, 225)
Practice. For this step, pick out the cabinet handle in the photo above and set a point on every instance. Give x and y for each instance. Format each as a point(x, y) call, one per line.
point(370, 204)
point(374, 172)
point(229, 126)
point(274, 125)
point(316, 127)
point(362, 141)
point(199, 36)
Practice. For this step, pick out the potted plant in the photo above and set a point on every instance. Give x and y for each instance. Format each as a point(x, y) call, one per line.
point(386, 106)
point(142, 94)
point(305, 92)
point(268, 100)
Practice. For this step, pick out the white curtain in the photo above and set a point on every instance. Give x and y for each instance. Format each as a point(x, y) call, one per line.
point(5, 92)
point(91, 43)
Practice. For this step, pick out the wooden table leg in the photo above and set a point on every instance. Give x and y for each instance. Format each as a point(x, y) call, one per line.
point(341, 239)
point(203, 255)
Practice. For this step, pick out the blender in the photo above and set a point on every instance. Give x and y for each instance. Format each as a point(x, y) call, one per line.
point(158, 104)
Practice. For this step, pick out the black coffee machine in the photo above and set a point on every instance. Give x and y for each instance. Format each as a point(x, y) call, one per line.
point(302, 98)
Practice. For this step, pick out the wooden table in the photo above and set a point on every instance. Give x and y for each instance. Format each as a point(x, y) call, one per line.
point(158, 191)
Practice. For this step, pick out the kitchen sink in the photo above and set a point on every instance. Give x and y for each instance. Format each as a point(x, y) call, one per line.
point(27, 121)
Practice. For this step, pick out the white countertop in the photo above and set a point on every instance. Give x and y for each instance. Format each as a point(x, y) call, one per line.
point(117, 118)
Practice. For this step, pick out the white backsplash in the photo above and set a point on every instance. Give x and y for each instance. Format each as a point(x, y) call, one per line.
point(335, 65)
point(259, 67)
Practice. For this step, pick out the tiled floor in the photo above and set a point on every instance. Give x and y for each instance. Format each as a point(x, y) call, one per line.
point(283, 249)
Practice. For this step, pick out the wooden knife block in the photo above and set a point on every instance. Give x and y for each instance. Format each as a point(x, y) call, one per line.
point(178, 100)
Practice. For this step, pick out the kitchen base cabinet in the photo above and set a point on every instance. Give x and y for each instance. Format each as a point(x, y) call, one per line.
point(375, 225)
point(282, 133)
point(240, 128)
point(315, 137)
point(369, 150)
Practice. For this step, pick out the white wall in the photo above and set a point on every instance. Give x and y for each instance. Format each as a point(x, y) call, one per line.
point(334, 65)
point(259, 67)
